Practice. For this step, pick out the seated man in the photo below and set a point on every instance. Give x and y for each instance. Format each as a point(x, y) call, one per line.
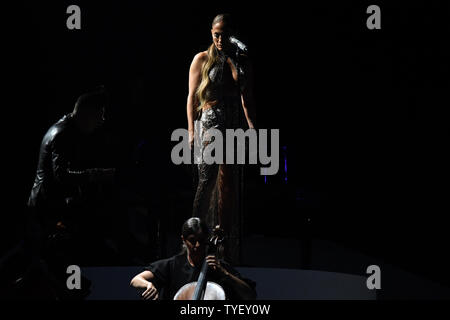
point(163, 278)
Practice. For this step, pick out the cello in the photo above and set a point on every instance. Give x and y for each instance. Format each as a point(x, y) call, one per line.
point(203, 289)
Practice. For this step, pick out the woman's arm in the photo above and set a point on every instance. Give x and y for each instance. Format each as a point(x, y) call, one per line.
point(247, 99)
point(143, 282)
point(241, 288)
point(249, 108)
point(195, 77)
point(142, 279)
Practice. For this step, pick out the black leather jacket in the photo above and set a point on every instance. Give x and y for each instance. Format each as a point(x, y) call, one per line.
point(57, 177)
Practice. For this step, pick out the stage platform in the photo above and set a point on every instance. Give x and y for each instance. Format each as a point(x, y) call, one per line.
point(112, 283)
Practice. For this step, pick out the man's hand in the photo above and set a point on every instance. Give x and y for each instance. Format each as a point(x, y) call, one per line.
point(100, 175)
point(151, 293)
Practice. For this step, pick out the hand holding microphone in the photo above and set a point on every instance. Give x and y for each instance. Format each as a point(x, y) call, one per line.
point(233, 40)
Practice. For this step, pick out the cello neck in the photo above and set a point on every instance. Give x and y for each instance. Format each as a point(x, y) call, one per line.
point(215, 240)
point(201, 283)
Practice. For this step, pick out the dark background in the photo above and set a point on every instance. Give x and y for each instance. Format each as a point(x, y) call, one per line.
point(363, 114)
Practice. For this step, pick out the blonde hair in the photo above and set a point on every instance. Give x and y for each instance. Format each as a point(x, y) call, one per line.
point(213, 57)
point(202, 90)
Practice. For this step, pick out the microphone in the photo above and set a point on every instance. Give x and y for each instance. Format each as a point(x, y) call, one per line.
point(238, 43)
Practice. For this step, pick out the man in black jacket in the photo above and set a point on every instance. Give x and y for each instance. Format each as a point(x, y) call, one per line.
point(69, 180)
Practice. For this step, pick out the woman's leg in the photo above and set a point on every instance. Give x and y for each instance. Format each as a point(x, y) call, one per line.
point(204, 206)
point(226, 197)
point(205, 202)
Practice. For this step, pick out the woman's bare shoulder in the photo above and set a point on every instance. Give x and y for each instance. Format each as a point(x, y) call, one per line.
point(201, 56)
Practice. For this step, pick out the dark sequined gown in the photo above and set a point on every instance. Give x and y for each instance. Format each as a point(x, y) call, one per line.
point(217, 199)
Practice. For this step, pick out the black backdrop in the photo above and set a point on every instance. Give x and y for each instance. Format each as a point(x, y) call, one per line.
point(363, 113)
